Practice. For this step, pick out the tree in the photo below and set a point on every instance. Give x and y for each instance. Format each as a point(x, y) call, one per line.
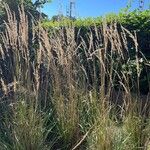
point(30, 8)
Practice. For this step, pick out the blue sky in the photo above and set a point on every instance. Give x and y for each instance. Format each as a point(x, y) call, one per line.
point(90, 8)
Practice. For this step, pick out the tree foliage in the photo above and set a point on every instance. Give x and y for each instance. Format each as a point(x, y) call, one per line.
point(31, 8)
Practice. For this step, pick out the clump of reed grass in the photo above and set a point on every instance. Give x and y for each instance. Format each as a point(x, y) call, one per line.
point(26, 128)
point(75, 78)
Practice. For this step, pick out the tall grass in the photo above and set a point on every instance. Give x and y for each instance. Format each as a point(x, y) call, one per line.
point(65, 91)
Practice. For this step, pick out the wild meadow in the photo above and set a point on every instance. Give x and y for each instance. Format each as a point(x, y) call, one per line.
point(66, 89)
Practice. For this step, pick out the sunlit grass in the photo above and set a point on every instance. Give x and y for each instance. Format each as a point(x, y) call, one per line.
point(73, 93)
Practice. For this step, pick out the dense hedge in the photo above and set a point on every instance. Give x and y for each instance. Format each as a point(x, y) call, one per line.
point(138, 21)
point(135, 20)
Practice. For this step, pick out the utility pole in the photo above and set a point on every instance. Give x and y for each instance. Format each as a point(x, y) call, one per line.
point(71, 12)
point(141, 5)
